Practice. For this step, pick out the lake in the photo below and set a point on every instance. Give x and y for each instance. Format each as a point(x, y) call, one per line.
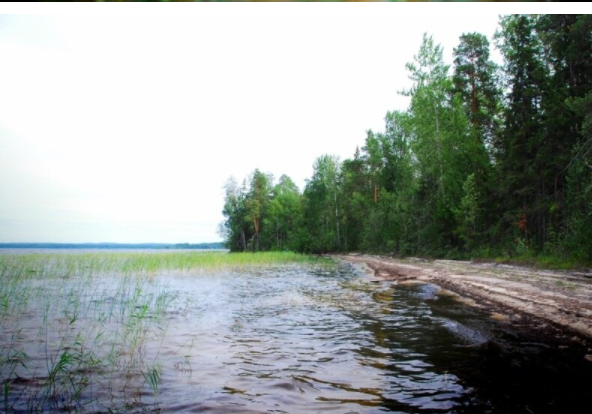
point(294, 338)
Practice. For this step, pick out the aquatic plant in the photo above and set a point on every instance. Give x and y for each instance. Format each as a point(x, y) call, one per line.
point(66, 265)
point(83, 331)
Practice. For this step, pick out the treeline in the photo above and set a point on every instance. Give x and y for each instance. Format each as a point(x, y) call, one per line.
point(486, 160)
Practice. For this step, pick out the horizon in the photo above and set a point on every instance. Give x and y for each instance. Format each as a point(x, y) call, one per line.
point(109, 243)
point(135, 132)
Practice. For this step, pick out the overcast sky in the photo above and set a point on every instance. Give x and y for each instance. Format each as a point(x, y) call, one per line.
point(125, 128)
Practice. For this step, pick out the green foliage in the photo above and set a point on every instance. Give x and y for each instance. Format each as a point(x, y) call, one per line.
point(442, 143)
point(469, 212)
point(322, 206)
point(263, 216)
point(578, 237)
point(475, 81)
point(466, 170)
point(545, 77)
point(245, 211)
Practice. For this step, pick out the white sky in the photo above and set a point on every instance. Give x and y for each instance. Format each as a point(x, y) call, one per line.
point(125, 128)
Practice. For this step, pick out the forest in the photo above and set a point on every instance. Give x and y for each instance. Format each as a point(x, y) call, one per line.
point(487, 161)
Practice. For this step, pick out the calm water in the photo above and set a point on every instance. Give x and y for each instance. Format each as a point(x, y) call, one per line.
point(293, 340)
point(29, 250)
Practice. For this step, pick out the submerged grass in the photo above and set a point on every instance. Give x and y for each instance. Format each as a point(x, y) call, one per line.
point(83, 331)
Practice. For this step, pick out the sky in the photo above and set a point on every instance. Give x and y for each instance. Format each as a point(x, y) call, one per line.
point(124, 128)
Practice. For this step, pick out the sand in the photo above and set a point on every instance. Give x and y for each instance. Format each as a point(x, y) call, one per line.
point(520, 295)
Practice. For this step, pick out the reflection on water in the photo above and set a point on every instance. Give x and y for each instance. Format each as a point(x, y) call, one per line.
point(295, 340)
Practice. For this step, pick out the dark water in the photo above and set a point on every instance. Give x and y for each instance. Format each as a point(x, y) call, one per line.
point(292, 340)
point(296, 341)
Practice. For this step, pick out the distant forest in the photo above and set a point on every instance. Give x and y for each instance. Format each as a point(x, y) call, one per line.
point(111, 246)
point(487, 160)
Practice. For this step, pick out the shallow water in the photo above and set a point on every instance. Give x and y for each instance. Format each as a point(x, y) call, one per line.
point(286, 339)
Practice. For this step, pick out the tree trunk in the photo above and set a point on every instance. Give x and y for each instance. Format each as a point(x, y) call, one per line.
point(337, 221)
point(439, 147)
point(243, 241)
point(277, 234)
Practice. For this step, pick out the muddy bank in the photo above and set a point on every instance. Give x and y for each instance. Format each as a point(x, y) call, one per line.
point(545, 300)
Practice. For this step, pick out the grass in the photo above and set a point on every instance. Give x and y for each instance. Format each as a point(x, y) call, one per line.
point(541, 261)
point(66, 264)
point(82, 331)
point(556, 259)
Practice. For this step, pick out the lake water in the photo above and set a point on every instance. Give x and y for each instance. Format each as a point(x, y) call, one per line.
point(288, 339)
point(29, 250)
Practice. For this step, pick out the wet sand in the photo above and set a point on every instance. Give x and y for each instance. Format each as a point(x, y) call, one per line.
point(558, 302)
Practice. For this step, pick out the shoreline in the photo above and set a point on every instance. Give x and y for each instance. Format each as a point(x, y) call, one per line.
point(556, 302)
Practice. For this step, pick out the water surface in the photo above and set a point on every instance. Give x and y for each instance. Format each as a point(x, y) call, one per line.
point(294, 339)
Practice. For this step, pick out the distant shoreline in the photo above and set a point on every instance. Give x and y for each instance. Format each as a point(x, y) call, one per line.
point(164, 246)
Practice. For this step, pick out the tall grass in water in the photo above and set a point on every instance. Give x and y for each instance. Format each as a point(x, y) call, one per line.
point(81, 331)
point(65, 265)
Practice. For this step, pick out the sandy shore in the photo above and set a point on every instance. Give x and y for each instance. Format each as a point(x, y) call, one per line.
point(526, 296)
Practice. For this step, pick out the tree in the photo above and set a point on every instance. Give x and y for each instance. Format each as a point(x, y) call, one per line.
point(284, 214)
point(578, 232)
point(472, 162)
point(322, 205)
point(388, 191)
point(567, 48)
point(440, 138)
point(400, 180)
point(233, 228)
point(469, 213)
point(256, 206)
point(355, 200)
point(264, 217)
point(524, 150)
point(475, 81)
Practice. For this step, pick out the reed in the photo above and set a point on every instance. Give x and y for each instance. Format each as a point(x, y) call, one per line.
point(76, 264)
point(82, 331)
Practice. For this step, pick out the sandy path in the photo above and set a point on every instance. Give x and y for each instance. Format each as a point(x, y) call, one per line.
point(542, 297)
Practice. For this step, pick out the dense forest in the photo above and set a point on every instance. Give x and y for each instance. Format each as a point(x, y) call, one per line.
point(487, 160)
